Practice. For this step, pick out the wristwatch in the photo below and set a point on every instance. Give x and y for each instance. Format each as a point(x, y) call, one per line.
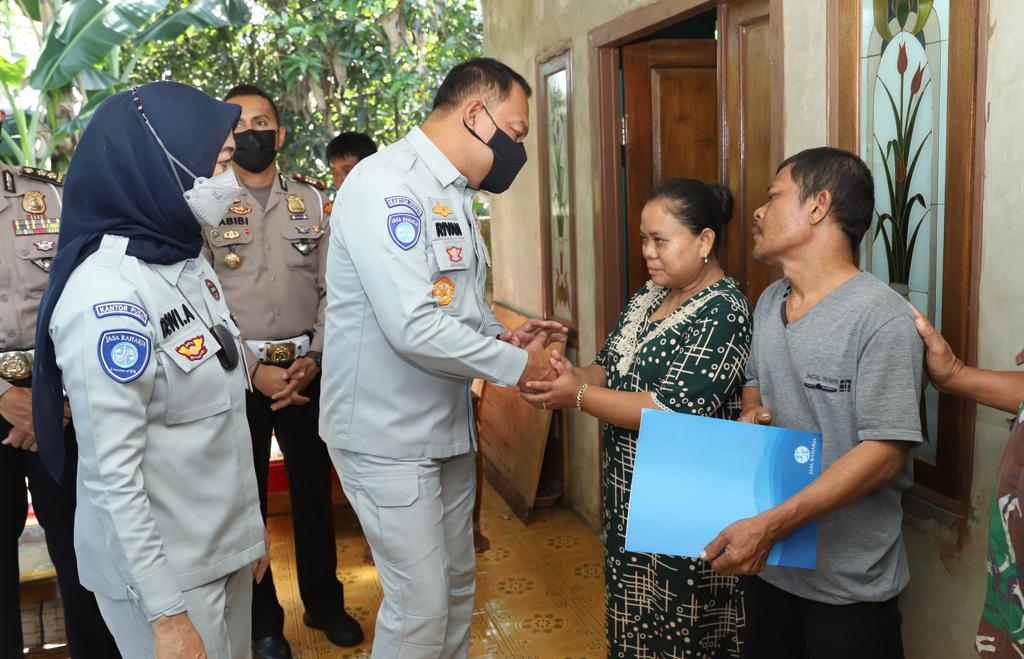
point(316, 356)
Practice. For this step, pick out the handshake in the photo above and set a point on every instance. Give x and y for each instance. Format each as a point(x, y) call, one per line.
point(543, 364)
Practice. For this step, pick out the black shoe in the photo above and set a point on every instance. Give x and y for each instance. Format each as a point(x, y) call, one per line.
point(341, 628)
point(272, 647)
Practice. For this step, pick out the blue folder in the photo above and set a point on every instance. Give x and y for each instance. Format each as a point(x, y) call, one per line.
point(694, 476)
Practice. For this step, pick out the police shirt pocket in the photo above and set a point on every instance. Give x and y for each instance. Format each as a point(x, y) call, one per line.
point(230, 248)
point(450, 254)
point(199, 392)
point(38, 250)
point(303, 241)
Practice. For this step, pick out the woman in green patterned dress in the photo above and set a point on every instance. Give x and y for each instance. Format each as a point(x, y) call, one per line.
point(680, 345)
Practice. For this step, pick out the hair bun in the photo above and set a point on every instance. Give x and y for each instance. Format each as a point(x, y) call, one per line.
point(724, 198)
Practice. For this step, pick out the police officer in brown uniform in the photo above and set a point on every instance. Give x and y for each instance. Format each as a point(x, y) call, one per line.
point(30, 206)
point(270, 252)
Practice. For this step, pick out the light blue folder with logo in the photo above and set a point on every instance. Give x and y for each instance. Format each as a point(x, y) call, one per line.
point(694, 476)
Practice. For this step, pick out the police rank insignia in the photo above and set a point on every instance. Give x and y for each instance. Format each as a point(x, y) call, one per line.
point(239, 209)
point(33, 203)
point(9, 182)
point(231, 235)
point(444, 291)
point(440, 208)
point(295, 205)
point(44, 245)
point(123, 354)
point(42, 175)
point(33, 226)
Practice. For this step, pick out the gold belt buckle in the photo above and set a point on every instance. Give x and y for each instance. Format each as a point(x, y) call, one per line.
point(280, 353)
point(15, 366)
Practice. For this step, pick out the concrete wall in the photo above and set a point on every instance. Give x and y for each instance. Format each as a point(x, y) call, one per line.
point(515, 31)
point(943, 603)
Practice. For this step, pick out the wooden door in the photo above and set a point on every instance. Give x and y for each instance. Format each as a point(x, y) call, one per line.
point(750, 131)
point(670, 94)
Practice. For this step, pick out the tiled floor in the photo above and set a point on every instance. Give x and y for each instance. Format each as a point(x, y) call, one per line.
point(539, 587)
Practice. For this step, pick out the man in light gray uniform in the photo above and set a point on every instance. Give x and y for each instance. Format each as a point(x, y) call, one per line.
point(406, 331)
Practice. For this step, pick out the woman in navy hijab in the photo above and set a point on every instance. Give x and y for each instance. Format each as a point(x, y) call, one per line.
point(135, 330)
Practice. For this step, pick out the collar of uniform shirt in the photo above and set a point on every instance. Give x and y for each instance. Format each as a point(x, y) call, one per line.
point(171, 272)
point(436, 161)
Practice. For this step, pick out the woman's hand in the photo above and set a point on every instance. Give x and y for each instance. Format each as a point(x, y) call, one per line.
point(260, 565)
point(556, 394)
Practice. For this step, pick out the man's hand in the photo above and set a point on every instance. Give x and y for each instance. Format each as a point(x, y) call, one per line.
point(175, 637)
point(271, 381)
point(760, 415)
point(742, 548)
point(300, 375)
point(67, 413)
point(22, 439)
point(16, 407)
point(538, 363)
point(943, 366)
point(525, 334)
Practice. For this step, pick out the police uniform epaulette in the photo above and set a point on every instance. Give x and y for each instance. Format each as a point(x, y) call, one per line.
point(56, 178)
point(302, 178)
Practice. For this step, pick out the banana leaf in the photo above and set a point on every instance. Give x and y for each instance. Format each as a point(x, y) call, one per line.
point(31, 9)
point(202, 14)
point(84, 32)
point(12, 73)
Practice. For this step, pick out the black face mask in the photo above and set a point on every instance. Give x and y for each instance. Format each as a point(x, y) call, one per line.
point(254, 149)
point(509, 158)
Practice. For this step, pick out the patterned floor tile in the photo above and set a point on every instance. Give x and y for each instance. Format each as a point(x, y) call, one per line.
point(536, 626)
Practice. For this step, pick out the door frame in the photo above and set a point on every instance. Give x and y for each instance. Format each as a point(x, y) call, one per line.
point(606, 131)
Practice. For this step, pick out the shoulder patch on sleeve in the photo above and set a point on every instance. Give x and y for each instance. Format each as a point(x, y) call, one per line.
point(404, 229)
point(121, 308)
point(123, 354)
point(400, 201)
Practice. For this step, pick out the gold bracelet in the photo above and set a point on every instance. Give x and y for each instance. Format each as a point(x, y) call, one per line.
point(579, 397)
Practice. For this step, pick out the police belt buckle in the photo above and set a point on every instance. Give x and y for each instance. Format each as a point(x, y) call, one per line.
point(280, 353)
point(16, 365)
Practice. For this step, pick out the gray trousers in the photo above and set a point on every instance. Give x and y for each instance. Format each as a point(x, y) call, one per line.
point(417, 515)
point(221, 612)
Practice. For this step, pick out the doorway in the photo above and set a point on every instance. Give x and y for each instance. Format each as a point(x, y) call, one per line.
point(689, 89)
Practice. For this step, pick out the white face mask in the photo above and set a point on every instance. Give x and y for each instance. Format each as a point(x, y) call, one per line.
point(210, 198)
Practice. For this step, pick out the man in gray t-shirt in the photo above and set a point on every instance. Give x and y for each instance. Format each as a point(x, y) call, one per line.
point(835, 351)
